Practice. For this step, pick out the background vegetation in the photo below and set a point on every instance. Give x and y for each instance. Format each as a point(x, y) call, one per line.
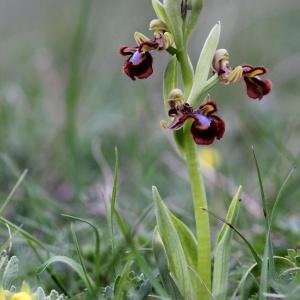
point(65, 105)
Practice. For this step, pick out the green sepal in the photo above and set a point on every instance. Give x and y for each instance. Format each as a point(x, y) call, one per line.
point(223, 249)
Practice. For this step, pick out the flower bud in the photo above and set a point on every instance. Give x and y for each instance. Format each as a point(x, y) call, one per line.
point(175, 97)
point(220, 62)
point(158, 26)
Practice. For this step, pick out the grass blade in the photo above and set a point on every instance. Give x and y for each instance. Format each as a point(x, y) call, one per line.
point(12, 192)
point(97, 244)
point(90, 286)
point(113, 201)
point(75, 266)
point(248, 244)
point(262, 193)
point(268, 269)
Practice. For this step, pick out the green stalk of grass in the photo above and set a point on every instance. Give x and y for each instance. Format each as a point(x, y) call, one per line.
point(73, 92)
point(113, 201)
point(90, 286)
point(12, 192)
point(97, 243)
point(244, 239)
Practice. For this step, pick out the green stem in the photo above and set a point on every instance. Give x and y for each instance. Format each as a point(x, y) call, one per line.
point(186, 70)
point(201, 218)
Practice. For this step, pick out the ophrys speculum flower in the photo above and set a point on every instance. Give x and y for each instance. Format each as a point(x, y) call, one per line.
point(257, 87)
point(139, 63)
point(206, 126)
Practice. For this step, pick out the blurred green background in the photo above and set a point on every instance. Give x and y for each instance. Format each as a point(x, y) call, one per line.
point(41, 66)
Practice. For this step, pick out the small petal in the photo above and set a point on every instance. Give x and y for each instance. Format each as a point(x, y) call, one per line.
point(126, 50)
point(208, 108)
point(250, 71)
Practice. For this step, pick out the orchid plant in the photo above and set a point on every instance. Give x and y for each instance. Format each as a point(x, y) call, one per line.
point(194, 120)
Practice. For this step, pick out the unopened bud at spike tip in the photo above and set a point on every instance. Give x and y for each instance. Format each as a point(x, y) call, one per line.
point(175, 97)
point(157, 26)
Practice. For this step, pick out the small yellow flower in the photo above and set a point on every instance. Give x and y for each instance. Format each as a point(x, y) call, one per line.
point(209, 157)
point(24, 293)
point(22, 296)
point(4, 294)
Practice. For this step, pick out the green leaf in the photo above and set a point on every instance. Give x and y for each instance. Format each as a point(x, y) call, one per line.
point(170, 80)
point(204, 63)
point(195, 12)
point(187, 239)
point(173, 11)
point(177, 260)
point(68, 261)
point(162, 264)
point(10, 272)
point(160, 11)
point(223, 249)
